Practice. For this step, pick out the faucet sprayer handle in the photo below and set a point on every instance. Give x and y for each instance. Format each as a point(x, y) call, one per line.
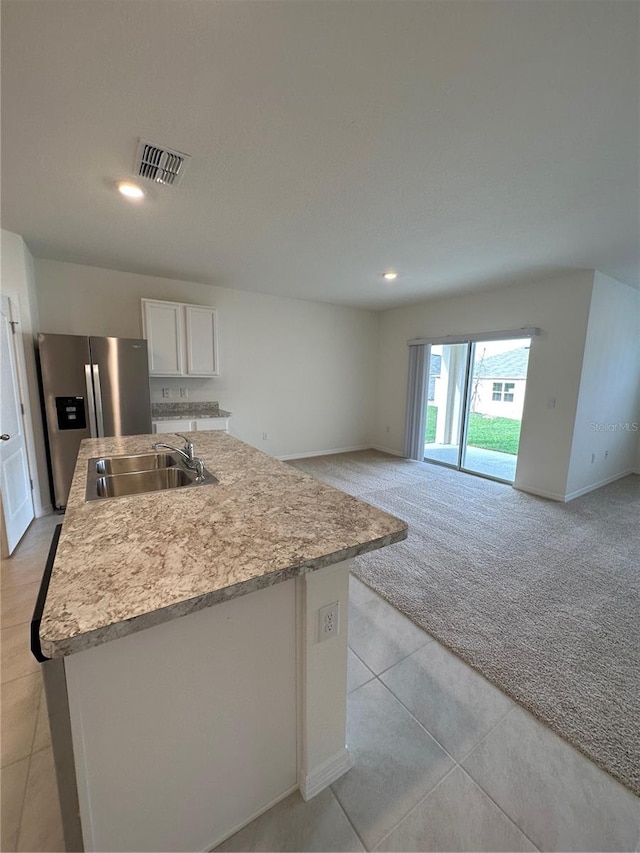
point(188, 445)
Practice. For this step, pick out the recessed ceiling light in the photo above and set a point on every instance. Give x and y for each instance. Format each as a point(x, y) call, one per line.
point(390, 276)
point(130, 190)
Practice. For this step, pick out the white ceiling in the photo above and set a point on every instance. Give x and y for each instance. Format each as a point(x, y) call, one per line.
point(464, 144)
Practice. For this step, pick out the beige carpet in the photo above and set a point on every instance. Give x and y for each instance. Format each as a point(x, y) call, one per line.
point(542, 598)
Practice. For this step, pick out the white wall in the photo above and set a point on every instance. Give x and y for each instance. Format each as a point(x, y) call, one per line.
point(609, 389)
point(303, 372)
point(485, 404)
point(18, 282)
point(560, 307)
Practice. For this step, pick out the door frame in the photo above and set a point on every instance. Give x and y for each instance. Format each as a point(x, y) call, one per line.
point(23, 397)
point(471, 340)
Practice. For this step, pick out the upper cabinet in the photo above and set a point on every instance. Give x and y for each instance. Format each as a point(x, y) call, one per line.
point(201, 340)
point(182, 339)
point(163, 327)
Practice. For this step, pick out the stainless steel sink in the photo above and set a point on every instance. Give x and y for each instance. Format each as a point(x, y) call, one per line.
point(141, 462)
point(119, 476)
point(116, 486)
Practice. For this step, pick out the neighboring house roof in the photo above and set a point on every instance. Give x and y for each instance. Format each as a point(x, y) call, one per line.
point(505, 365)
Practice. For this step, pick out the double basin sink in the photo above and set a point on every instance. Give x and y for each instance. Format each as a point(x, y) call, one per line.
point(118, 476)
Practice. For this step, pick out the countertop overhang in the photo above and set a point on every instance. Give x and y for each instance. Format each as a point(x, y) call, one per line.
point(126, 564)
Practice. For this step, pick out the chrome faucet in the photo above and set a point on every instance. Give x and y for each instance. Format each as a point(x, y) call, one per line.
point(187, 452)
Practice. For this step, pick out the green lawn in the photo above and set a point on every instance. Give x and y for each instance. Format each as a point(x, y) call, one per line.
point(430, 431)
point(501, 434)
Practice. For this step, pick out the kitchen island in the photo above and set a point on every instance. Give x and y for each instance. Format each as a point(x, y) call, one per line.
point(185, 629)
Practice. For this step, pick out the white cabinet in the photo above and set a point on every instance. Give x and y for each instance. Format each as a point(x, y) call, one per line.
point(200, 335)
point(184, 425)
point(182, 339)
point(163, 327)
point(172, 426)
point(211, 423)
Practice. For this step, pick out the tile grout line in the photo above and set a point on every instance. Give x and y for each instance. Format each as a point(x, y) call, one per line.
point(437, 742)
point(493, 727)
point(373, 675)
point(29, 757)
point(35, 728)
point(29, 761)
point(400, 660)
point(24, 674)
point(413, 717)
point(23, 803)
point(456, 764)
point(404, 657)
point(349, 821)
point(18, 677)
point(499, 807)
point(477, 783)
point(420, 801)
point(515, 706)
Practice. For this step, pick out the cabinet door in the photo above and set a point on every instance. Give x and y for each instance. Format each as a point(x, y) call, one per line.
point(212, 423)
point(162, 323)
point(173, 426)
point(202, 357)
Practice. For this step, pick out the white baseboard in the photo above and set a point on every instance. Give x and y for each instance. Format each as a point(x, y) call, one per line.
point(310, 453)
point(579, 492)
point(591, 488)
point(540, 493)
point(387, 450)
point(43, 510)
point(324, 774)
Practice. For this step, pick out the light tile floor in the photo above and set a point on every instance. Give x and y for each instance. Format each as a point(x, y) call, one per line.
point(442, 759)
point(30, 815)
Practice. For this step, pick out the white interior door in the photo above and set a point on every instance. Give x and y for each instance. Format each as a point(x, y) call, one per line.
point(15, 482)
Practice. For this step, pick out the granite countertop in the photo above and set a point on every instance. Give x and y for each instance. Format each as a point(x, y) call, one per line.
point(186, 411)
point(129, 563)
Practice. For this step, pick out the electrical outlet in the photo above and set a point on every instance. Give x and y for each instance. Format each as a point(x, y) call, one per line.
point(606, 453)
point(593, 458)
point(329, 621)
point(184, 392)
point(264, 436)
point(166, 393)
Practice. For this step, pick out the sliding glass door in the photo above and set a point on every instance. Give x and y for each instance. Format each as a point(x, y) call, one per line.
point(497, 384)
point(475, 395)
point(446, 394)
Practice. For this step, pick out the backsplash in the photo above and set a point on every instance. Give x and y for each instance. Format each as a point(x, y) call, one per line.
point(194, 410)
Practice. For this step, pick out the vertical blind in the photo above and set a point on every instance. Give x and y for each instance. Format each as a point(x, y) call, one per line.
point(416, 392)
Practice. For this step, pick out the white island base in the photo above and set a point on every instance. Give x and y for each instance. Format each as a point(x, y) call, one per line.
point(186, 731)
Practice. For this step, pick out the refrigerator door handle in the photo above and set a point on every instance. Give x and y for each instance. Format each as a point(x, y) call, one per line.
point(98, 395)
point(91, 403)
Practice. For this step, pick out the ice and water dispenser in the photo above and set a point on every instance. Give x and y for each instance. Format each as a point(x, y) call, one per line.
point(71, 413)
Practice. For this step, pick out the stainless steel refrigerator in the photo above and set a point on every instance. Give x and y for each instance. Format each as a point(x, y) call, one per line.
point(91, 387)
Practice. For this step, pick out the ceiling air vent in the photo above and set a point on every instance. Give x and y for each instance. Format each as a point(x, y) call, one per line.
point(160, 165)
